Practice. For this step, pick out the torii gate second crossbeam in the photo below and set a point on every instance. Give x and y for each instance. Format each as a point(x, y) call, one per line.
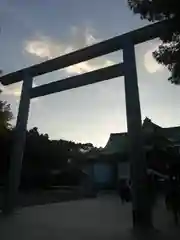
point(126, 42)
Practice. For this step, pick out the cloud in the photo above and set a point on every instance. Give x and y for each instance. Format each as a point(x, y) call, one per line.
point(87, 67)
point(47, 48)
point(44, 47)
point(83, 36)
point(150, 63)
point(89, 38)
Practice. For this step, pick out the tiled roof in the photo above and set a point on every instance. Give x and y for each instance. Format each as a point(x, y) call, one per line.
point(118, 142)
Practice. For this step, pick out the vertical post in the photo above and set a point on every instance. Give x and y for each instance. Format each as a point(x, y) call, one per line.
point(141, 209)
point(19, 139)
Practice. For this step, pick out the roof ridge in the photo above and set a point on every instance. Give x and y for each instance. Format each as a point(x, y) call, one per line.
point(171, 127)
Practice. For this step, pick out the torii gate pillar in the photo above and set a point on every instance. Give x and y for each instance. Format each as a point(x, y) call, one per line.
point(19, 138)
point(140, 204)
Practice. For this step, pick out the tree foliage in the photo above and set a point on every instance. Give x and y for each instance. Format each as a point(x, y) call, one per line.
point(42, 157)
point(168, 53)
point(5, 115)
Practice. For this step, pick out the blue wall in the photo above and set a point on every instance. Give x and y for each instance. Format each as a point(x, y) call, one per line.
point(103, 175)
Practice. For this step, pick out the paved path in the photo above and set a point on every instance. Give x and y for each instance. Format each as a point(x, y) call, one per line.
point(101, 218)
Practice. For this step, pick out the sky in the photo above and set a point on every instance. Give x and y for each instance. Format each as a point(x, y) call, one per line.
point(37, 30)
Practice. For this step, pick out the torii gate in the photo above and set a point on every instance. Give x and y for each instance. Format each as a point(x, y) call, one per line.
point(126, 42)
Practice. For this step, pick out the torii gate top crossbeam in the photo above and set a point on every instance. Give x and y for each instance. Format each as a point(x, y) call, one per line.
point(114, 44)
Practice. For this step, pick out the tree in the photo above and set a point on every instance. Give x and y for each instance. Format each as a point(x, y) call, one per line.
point(5, 116)
point(43, 156)
point(5, 139)
point(168, 53)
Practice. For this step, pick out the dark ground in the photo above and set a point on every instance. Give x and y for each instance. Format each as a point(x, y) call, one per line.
point(101, 218)
point(41, 197)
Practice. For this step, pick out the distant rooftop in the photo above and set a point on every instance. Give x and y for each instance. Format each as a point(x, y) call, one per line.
point(118, 142)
